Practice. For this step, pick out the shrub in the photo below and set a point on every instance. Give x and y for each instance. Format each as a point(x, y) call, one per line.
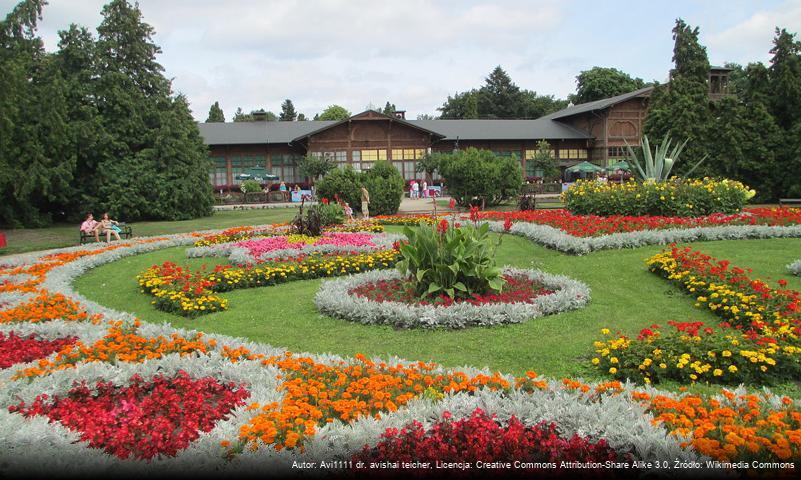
point(342, 183)
point(526, 202)
point(250, 186)
point(455, 261)
point(309, 224)
point(673, 198)
point(482, 174)
point(330, 214)
point(385, 185)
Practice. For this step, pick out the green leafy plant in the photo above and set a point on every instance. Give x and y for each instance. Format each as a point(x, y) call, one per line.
point(311, 224)
point(250, 186)
point(657, 166)
point(481, 174)
point(442, 259)
point(330, 214)
point(385, 185)
point(344, 184)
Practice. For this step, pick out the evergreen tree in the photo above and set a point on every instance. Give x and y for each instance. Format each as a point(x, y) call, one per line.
point(599, 82)
point(288, 113)
point(36, 164)
point(216, 114)
point(784, 74)
point(389, 109)
point(139, 112)
point(460, 106)
point(240, 116)
point(499, 97)
point(681, 108)
point(301, 117)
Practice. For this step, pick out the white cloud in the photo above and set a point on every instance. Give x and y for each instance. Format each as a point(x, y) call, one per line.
point(752, 39)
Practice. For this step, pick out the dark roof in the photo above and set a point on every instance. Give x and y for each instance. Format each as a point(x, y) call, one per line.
point(501, 129)
point(243, 133)
point(366, 113)
point(597, 104)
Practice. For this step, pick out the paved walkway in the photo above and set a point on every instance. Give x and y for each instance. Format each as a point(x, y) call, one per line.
point(407, 206)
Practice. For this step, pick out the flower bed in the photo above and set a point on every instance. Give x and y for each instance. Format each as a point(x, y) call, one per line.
point(335, 298)
point(758, 340)
point(517, 289)
point(15, 349)
point(183, 292)
point(482, 438)
point(334, 395)
point(575, 234)
point(281, 247)
point(674, 197)
point(143, 419)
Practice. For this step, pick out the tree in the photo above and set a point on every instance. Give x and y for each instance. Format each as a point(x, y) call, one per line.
point(429, 164)
point(784, 74)
point(385, 185)
point(461, 106)
point(343, 183)
point(216, 114)
point(301, 117)
point(480, 174)
point(599, 82)
point(334, 112)
point(681, 109)
point(262, 115)
point(288, 113)
point(426, 116)
point(240, 116)
point(389, 109)
point(315, 166)
point(543, 161)
point(499, 97)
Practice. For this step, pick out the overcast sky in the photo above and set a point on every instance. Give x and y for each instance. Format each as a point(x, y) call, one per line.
point(414, 53)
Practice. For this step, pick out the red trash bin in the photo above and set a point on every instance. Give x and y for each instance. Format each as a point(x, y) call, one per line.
point(2, 240)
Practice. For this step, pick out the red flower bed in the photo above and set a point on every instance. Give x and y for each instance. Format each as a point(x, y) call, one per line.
point(593, 225)
point(15, 349)
point(518, 289)
point(482, 438)
point(144, 419)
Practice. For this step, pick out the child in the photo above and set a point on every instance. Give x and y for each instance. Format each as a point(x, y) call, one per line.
point(348, 211)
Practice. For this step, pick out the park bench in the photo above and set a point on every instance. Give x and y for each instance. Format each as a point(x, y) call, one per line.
point(126, 232)
point(789, 201)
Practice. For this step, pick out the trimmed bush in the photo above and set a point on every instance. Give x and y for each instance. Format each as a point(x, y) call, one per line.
point(673, 198)
point(250, 186)
point(482, 174)
point(343, 183)
point(385, 185)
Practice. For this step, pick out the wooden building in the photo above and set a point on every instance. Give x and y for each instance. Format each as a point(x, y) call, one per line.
point(595, 131)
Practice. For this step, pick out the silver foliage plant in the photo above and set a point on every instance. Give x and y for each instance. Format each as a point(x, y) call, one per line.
point(557, 239)
point(334, 299)
point(795, 268)
point(34, 445)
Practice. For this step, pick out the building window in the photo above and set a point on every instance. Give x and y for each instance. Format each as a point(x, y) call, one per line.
point(219, 171)
point(337, 156)
point(242, 163)
point(372, 155)
point(503, 153)
point(408, 153)
point(617, 152)
point(530, 154)
point(285, 166)
point(572, 153)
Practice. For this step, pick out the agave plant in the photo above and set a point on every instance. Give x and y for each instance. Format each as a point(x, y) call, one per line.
point(659, 163)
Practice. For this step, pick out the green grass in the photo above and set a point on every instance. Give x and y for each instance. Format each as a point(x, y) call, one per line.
point(625, 297)
point(32, 239)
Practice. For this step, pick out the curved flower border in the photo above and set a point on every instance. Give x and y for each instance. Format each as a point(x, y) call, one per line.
point(557, 239)
point(35, 446)
point(795, 268)
point(334, 299)
point(239, 255)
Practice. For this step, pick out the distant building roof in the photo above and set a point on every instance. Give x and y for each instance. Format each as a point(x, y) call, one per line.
point(598, 104)
point(245, 133)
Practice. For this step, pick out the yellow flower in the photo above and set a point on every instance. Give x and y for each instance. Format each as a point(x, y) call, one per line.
point(613, 370)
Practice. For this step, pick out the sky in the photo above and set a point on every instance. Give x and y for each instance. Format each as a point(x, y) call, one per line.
point(414, 53)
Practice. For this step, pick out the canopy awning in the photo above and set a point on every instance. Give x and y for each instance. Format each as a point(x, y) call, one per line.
point(585, 167)
point(621, 165)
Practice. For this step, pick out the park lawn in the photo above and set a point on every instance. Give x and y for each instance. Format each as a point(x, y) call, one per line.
point(31, 239)
point(625, 297)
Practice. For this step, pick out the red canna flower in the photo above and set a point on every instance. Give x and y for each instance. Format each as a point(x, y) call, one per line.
point(443, 226)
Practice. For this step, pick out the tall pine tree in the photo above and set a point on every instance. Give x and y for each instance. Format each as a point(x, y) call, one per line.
point(784, 74)
point(681, 108)
point(288, 113)
point(216, 114)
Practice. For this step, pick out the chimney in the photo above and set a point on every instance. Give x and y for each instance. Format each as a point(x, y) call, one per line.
point(400, 114)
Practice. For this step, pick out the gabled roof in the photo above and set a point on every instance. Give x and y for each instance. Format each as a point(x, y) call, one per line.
point(502, 129)
point(598, 104)
point(368, 114)
point(244, 133)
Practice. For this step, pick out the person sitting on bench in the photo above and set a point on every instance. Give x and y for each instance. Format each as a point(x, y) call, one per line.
point(110, 226)
point(91, 226)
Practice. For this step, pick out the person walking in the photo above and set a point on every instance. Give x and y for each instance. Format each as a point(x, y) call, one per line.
point(425, 189)
point(365, 203)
